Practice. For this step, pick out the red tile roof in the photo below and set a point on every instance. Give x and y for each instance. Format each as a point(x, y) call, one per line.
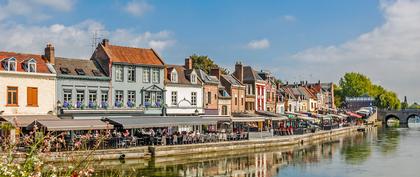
point(41, 65)
point(131, 55)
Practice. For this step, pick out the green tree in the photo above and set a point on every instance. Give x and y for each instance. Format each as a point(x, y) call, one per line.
point(355, 84)
point(205, 63)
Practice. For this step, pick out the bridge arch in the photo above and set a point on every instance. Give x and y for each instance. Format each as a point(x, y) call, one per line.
point(414, 115)
point(390, 116)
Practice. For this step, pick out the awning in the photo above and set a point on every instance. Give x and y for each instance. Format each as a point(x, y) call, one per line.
point(354, 115)
point(248, 119)
point(25, 120)
point(279, 118)
point(66, 125)
point(159, 121)
point(216, 117)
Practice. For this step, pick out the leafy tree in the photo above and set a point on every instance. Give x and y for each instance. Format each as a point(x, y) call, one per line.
point(414, 106)
point(205, 63)
point(355, 84)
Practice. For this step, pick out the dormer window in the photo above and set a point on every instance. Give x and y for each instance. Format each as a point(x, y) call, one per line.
point(174, 76)
point(80, 71)
point(30, 66)
point(9, 64)
point(193, 78)
point(64, 70)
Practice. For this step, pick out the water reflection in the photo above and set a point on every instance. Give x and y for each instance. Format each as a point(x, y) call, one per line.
point(345, 153)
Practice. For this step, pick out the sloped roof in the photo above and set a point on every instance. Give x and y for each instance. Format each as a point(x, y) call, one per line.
point(131, 55)
point(207, 78)
point(231, 79)
point(88, 66)
point(41, 65)
point(250, 74)
point(183, 75)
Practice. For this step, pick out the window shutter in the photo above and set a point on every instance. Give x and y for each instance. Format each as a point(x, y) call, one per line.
point(32, 95)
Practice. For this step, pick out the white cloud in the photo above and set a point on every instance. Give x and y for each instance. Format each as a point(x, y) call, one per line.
point(75, 40)
point(259, 44)
point(138, 8)
point(33, 9)
point(288, 18)
point(389, 54)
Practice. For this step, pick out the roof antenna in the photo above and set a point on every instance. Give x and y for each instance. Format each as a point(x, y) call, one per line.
point(95, 40)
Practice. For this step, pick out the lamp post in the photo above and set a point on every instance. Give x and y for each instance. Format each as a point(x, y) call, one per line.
point(196, 112)
point(59, 105)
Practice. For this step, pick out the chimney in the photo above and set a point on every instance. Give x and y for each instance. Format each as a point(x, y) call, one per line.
point(239, 71)
point(49, 54)
point(215, 72)
point(188, 63)
point(105, 42)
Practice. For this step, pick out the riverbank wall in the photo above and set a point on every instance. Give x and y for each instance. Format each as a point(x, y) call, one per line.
point(146, 152)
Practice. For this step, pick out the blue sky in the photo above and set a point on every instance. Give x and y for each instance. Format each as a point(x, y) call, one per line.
point(295, 39)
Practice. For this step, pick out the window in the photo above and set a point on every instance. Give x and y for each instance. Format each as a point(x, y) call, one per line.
point(146, 75)
point(12, 96)
point(242, 100)
point(92, 96)
point(236, 99)
point(194, 98)
point(159, 97)
point(174, 76)
point(147, 97)
point(174, 97)
point(132, 74)
point(131, 96)
point(119, 96)
point(80, 95)
point(96, 73)
point(209, 97)
point(119, 73)
point(156, 75)
point(67, 95)
point(64, 70)
point(32, 96)
point(11, 64)
point(80, 71)
point(104, 96)
point(224, 110)
point(30, 66)
point(193, 78)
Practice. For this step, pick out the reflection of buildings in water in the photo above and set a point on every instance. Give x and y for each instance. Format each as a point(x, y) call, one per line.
point(253, 165)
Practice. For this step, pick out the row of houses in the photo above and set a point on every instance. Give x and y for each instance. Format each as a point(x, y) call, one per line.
point(120, 80)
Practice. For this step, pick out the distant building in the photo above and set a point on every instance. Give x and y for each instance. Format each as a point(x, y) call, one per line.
point(236, 91)
point(271, 90)
point(211, 86)
point(355, 103)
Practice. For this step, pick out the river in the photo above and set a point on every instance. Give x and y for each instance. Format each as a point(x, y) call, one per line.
point(385, 152)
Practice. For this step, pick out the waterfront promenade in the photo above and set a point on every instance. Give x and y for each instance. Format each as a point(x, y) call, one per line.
point(197, 149)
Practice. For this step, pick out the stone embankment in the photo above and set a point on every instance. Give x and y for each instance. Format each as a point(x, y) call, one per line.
point(197, 149)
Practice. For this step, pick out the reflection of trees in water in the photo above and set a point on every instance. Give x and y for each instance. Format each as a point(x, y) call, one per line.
point(356, 149)
point(388, 140)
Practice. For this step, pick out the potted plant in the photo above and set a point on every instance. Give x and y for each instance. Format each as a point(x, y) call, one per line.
point(91, 104)
point(147, 104)
point(158, 105)
point(118, 104)
point(130, 104)
point(104, 104)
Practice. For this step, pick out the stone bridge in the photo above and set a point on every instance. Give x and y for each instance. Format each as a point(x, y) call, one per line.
point(402, 115)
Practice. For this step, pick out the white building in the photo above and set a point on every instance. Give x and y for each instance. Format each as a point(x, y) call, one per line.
point(184, 90)
point(27, 85)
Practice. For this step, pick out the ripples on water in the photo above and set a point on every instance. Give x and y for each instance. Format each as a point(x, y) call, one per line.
point(387, 152)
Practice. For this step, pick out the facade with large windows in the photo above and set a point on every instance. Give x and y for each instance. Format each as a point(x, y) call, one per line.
point(184, 90)
point(136, 76)
point(27, 84)
point(81, 84)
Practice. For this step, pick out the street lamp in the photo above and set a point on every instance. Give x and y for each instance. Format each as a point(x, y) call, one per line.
point(196, 112)
point(59, 105)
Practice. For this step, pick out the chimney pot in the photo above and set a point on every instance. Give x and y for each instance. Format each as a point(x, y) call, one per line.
point(216, 72)
point(49, 53)
point(105, 42)
point(239, 71)
point(188, 63)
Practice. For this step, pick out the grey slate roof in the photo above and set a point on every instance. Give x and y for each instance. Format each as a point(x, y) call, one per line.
point(207, 78)
point(88, 67)
point(232, 80)
point(251, 75)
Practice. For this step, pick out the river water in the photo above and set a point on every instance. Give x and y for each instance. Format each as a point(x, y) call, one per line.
point(385, 152)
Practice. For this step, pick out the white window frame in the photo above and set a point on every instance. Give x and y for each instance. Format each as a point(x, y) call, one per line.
point(194, 98)
point(131, 76)
point(146, 75)
point(119, 95)
point(93, 95)
point(9, 62)
point(155, 75)
point(131, 96)
point(80, 96)
point(193, 78)
point(104, 96)
point(174, 98)
point(67, 95)
point(119, 73)
point(174, 76)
